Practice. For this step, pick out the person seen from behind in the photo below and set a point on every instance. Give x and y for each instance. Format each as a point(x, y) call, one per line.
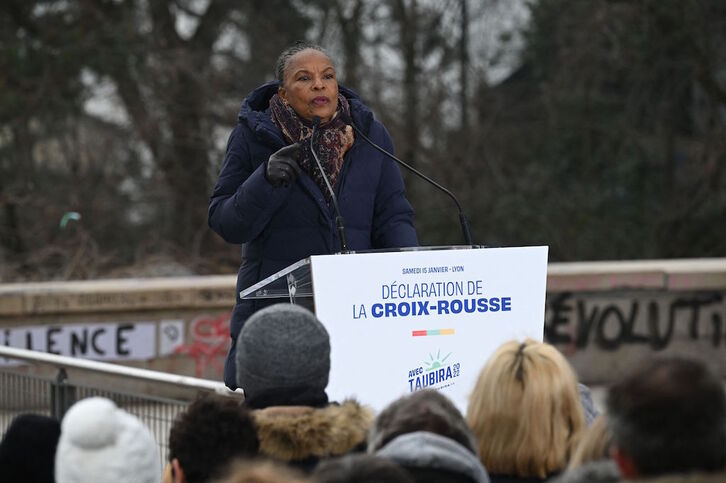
point(207, 437)
point(27, 450)
point(427, 435)
point(525, 412)
point(591, 462)
point(668, 420)
point(100, 443)
point(283, 365)
point(361, 468)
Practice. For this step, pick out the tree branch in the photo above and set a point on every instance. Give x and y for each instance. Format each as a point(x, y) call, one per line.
point(19, 12)
point(164, 24)
point(147, 126)
point(209, 24)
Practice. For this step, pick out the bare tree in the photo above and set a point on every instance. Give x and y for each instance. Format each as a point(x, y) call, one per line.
point(351, 29)
point(464, 65)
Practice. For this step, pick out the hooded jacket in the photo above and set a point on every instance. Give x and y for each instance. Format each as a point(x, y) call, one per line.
point(422, 451)
point(302, 435)
point(278, 226)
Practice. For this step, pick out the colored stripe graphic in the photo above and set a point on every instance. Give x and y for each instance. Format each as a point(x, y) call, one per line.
point(424, 333)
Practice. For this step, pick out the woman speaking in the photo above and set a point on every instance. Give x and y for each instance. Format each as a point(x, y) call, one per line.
point(271, 196)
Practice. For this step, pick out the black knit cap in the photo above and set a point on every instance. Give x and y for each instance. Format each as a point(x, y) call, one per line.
point(27, 452)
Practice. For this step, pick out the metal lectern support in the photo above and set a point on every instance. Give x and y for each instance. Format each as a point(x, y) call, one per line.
point(291, 287)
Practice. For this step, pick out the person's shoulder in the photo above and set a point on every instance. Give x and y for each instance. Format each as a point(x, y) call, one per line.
point(362, 114)
point(254, 122)
point(367, 122)
point(255, 107)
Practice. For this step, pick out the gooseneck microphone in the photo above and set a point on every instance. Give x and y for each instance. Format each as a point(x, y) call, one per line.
point(338, 217)
point(462, 217)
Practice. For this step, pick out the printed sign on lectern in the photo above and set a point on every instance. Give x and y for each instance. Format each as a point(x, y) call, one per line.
point(405, 321)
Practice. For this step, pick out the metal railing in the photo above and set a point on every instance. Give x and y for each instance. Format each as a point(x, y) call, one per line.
point(21, 392)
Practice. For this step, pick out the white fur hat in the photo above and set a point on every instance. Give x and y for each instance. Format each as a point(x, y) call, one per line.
point(101, 443)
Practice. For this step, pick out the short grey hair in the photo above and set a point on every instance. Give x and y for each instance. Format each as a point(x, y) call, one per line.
point(284, 59)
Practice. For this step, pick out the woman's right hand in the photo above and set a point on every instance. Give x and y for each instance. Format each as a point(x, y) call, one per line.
point(282, 167)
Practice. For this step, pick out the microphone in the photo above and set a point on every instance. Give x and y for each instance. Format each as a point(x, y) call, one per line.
point(338, 217)
point(462, 217)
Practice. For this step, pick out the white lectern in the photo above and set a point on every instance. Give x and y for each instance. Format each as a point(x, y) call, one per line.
point(405, 320)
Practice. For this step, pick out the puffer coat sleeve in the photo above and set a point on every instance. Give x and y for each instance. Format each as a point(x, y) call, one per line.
point(243, 201)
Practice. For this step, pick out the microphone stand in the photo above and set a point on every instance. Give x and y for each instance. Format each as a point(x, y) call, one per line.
point(462, 217)
point(338, 217)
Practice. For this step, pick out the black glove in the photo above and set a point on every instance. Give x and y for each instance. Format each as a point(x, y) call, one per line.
point(282, 167)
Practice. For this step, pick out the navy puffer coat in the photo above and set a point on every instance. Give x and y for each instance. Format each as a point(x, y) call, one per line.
point(278, 226)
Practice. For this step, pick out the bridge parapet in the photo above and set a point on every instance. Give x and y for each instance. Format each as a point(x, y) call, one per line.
point(605, 316)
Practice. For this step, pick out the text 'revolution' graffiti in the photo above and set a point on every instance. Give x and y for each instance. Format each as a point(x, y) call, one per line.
point(582, 321)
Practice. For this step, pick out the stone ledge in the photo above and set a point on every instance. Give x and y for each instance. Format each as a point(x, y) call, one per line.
point(218, 291)
point(117, 295)
point(667, 275)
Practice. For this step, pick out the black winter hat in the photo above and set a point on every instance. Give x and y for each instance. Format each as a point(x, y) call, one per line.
point(27, 452)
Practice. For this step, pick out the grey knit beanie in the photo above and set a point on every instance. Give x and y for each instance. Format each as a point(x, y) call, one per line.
point(282, 347)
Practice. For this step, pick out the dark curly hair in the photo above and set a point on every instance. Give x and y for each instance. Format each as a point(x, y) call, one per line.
point(210, 434)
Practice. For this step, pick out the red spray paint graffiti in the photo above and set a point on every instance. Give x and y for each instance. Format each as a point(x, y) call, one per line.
point(210, 340)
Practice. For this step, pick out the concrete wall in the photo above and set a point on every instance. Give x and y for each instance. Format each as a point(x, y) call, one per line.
point(178, 325)
point(607, 317)
point(604, 316)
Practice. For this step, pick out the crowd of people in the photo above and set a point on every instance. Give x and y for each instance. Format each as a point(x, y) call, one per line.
point(527, 420)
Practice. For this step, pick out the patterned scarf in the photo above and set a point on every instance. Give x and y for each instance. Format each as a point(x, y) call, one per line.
point(334, 138)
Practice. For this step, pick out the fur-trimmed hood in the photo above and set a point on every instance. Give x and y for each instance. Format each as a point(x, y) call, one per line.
point(296, 433)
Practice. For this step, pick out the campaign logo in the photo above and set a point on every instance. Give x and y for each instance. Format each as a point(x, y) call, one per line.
point(435, 373)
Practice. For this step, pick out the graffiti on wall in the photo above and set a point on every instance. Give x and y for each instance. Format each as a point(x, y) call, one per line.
point(209, 343)
point(610, 323)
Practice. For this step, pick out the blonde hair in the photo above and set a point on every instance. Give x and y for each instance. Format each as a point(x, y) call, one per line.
point(594, 444)
point(525, 410)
